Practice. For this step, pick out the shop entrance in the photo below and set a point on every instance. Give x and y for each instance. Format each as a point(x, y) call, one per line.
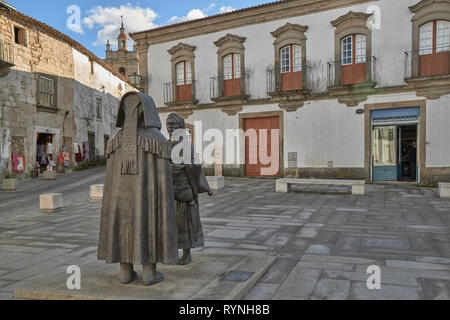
point(44, 151)
point(395, 145)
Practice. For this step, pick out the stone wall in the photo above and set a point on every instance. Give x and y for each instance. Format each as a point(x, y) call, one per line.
point(79, 79)
point(19, 115)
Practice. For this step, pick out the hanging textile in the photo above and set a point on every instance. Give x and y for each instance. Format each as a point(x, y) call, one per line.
point(86, 156)
point(20, 164)
point(15, 162)
point(60, 158)
point(78, 155)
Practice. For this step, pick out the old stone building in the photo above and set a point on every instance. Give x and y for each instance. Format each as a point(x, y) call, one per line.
point(350, 85)
point(124, 61)
point(55, 95)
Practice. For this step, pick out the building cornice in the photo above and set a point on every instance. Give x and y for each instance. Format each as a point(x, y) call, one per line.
point(249, 16)
point(287, 27)
point(181, 46)
point(425, 3)
point(229, 37)
point(350, 16)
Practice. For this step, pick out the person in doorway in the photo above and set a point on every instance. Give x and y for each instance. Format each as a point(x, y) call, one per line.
point(412, 156)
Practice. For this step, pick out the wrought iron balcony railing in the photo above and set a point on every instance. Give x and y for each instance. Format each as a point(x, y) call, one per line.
point(351, 72)
point(229, 86)
point(290, 82)
point(427, 62)
point(175, 93)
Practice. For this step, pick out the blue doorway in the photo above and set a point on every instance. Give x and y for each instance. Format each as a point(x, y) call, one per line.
point(395, 144)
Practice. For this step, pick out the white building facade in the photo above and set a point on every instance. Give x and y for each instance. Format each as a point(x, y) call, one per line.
point(351, 85)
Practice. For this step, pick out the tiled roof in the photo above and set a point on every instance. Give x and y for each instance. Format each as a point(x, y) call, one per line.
point(74, 44)
point(7, 5)
point(210, 17)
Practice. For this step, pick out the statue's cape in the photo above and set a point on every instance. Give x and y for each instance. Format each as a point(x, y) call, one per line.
point(138, 222)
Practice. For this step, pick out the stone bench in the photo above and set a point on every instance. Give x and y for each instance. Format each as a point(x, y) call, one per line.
point(444, 190)
point(358, 186)
point(216, 183)
point(51, 202)
point(97, 192)
point(9, 184)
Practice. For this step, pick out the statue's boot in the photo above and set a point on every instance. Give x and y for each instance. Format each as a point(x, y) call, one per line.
point(127, 274)
point(186, 258)
point(150, 276)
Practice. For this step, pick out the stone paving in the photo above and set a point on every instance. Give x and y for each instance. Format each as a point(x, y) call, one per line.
point(324, 238)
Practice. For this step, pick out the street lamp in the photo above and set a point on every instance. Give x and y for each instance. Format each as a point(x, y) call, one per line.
point(135, 79)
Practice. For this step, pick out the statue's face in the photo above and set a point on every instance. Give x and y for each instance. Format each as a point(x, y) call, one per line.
point(172, 125)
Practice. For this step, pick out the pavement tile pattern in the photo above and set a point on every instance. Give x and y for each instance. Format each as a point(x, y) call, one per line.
point(323, 237)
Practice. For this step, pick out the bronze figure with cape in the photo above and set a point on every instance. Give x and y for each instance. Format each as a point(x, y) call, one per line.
point(138, 223)
point(189, 182)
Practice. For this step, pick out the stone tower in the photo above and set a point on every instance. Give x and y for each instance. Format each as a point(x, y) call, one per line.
point(123, 60)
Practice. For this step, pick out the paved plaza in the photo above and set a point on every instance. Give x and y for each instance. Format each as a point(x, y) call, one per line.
point(324, 238)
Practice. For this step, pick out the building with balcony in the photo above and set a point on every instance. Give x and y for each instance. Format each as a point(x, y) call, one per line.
point(55, 96)
point(351, 85)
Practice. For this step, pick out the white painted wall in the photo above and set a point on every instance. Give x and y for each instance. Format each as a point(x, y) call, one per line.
point(438, 132)
point(87, 87)
point(389, 45)
point(325, 130)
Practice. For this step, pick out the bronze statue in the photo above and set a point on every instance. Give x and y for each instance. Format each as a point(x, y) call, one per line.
point(138, 223)
point(189, 181)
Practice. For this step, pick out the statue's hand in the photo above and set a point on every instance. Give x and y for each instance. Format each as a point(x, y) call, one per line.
point(211, 193)
point(192, 203)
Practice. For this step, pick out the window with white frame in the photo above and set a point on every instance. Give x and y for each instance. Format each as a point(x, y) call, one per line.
point(291, 55)
point(443, 36)
point(184, 73)
point(360, 48)
point(426, 39)
point(347, 43)
point(347, 50)
point(46, 91)
point(232, 66)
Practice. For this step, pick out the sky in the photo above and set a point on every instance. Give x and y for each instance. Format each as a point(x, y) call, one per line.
point(92, 23)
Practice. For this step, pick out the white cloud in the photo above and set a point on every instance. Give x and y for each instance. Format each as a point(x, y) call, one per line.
point(75, 28)
point(107, 21)
point(226, 9)
point(192, 15)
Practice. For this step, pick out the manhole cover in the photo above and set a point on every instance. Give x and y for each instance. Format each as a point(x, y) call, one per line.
point(238, 276)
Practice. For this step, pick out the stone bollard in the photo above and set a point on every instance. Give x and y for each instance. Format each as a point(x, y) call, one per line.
point(97, 192)
point(216, 183)
point(10, 184)
point(51, 202)
point(49, 175)
point(444, 190)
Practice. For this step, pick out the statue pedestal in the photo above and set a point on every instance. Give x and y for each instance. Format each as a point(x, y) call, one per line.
point(208, 277)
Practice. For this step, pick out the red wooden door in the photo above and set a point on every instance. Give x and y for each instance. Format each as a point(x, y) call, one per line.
point(434, 64)
point(437, 60)
point(253, 147)
point(291, 81)
point(356, 71)
point(184, 92)
point(232, 87)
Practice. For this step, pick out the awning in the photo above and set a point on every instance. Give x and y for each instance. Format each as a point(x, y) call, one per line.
point(398, 114)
